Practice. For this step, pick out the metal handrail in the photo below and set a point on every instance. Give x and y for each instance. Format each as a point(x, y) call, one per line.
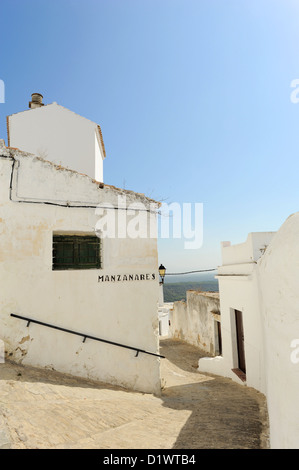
point(85, 336)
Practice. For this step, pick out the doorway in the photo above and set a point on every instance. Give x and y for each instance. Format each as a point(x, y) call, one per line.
point(218, 339)
point(240, 341)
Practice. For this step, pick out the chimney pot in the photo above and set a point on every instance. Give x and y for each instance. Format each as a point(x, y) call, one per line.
point(36, 100)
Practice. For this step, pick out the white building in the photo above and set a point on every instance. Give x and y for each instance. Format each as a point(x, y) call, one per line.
point(59, 135)
point(259, 302)
point(65, 284)
point(164, 312)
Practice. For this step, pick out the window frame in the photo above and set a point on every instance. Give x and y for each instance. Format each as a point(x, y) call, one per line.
point(76, 241)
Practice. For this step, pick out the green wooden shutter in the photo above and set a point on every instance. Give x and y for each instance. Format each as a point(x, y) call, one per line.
point(76, 252)
point(89, 252)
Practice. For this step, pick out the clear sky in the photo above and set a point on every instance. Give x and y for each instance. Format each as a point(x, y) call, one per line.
point(193, 98)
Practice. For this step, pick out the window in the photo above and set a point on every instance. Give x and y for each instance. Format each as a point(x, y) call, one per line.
point(76, 252)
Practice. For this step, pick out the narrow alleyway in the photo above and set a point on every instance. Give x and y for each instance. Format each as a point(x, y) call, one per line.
point(42, 409)
point(223, 414)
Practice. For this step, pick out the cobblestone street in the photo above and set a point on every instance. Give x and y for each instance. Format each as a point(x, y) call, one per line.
point(42, 409)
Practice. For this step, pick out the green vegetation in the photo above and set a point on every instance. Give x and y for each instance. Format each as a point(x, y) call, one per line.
point(177, 290)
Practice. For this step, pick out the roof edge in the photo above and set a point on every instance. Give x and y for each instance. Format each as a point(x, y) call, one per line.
point(14, 152)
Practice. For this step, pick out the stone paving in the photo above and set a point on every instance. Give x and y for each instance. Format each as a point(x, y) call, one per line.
point(42, 409)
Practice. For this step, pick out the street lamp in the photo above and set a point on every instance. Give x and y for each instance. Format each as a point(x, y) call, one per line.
point(162, 271)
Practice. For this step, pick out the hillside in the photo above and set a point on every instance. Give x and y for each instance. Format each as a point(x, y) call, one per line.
point(177, 290)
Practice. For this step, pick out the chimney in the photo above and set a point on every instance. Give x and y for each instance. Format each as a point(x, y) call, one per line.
point(37, 101)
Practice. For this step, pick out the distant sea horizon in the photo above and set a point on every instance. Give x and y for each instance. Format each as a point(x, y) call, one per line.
point(196, 277)
point(175, 287)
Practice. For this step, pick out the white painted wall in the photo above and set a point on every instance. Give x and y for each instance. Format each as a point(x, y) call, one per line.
point(239, 293)
point(266, 291)
point(163, 320)
point(278, 278)
point(239, 290)
point(247, 252)
point(193, 321)
point(163, 312)
point(124, 312)
point(60, 136)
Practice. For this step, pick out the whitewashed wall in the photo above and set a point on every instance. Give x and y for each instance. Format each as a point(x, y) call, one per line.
point(260, 278)
point(60, 136)
point(193, 321)
point(238, 289)
point(124, 312)
point(279, 278)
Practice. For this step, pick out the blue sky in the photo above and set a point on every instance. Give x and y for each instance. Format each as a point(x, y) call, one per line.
point(193, 98)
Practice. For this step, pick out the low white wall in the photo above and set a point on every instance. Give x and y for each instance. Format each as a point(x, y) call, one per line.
point(247, 252)
point(192, 321)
